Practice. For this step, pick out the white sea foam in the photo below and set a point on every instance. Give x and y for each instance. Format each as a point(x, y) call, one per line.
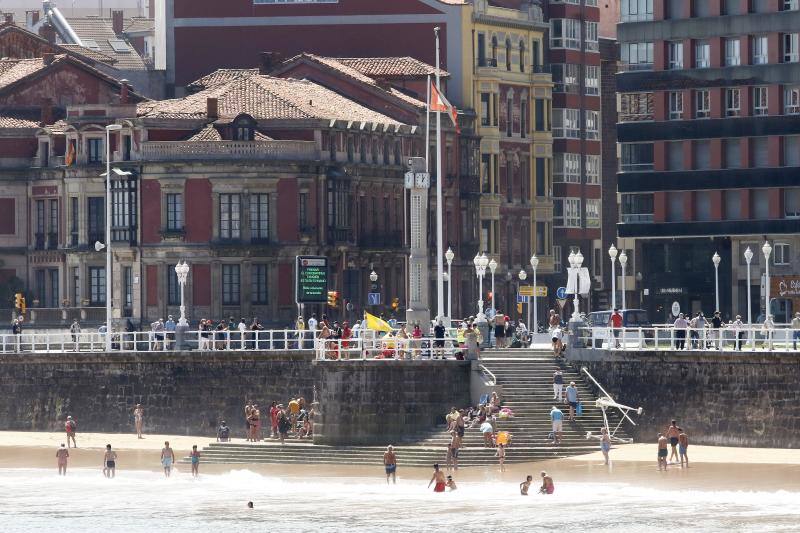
point(37, 500)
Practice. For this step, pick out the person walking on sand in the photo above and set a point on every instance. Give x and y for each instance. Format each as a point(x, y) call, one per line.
point(167, 458)
point(501, 456)
point(572, 399)
point(662, 452)
point(62, 454)
point(195, 457)
point(525, 485)
point(438, 477)
point(683, 447)
point(455, 446)
point(70, 427)
point(138, 419)
point(672, 435)
point(109, 463)
point(558, 384)
point(223, 432)
point(390, 464)
point(605, 443)
point(557, 417)
point(283, 424)
point(547, 484)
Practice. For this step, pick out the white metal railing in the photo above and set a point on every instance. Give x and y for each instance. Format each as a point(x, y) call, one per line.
point(669, 338)
point(373, 347)
point(270, 150)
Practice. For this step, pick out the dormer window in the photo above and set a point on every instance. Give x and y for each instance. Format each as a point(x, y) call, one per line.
point(244, 128)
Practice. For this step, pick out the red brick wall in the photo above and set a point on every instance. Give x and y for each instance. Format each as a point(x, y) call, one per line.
point(11, 147)
point(287, 210)
point(199, 206)
point(8, 224)
point(151, 211)
point(201, 284)
point(285, 284)
point(152, 285)
point(245, 8)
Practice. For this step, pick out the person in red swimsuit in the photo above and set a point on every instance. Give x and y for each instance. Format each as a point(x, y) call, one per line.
point(438, 477)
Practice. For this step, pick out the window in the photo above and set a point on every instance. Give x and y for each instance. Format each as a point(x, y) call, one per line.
point(230, 284)
point(759, 152)
point(565, 78)
point(791, 47)
point(173, 288)
point(637, 56)
point(702, 54)
point(592, 213)
point(97, 219)
point(591, 44)
point(702, 104)
point(674, 150)
point(732, 7)
point(791, 202)
point(637, 156)
point(675, 105)
point(508, 54)
point(791, 5)
point(637, 208)
point(493, 62)
point(557, 259)
point(535, 48)
point(258, 284)
point(675, 55)
point(542, 237)
point(523, 118)
point(759, 199)
point(733, 153)
point(97, 286)
point(259, 217)
point(174, 212)
point(509, 117)
point(302, 211)
point(592, 125)
point(481, 50)
point(760, 105)
point(732, 55)
point(538, 109)
point(566, 168)
point(791, 100)
point(94, 150)
point(127, 274)
point(673, 9)
point(791, 151)
point(702, 206)
point(760, 50)
point(73, 222)
point(229, 216)
point(484, 109)
point(636, 10)
point(592, 80)
point(733, 205)
point(781, 253)
point(733, 105)
point(521, 56)
point(565, 33)
point(567, 212)
point(593, 169)
point(675, 207)
point(541, 177)
point(566, 123)
point(636, 106)
point(701, 154)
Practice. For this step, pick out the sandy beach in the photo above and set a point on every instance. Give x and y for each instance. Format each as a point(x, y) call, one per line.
point(712, 467)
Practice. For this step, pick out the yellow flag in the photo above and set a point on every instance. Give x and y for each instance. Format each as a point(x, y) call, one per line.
point(377, 324)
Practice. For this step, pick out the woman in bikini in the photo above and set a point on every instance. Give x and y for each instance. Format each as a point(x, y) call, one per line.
point(138, 418)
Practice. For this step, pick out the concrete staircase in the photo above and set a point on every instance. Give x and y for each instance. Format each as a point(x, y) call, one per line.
point(526, 379)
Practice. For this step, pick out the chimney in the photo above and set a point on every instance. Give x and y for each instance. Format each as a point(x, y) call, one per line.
point(47, 58)
point(270, 60)
point(47, 111)
point(117, 21)
point(212, 108)
point(48, 32)
point(31, 18)
point(123, 91)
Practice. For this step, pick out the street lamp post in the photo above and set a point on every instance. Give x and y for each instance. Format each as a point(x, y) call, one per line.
point(623, 260)
point(182, 271)
point(481, 262)
point(522, 277)
point(109, 129)
point(716, 259)
point(577, 263)
point(373, 277)
point(767, 250)
point(492, 268)
point(449, 255)
point(612, 253)
point(534, 265)
point(748, 257)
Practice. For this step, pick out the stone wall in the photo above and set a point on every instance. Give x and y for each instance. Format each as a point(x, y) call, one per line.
point(361, 402)
point(382, 402)
point(731, 399)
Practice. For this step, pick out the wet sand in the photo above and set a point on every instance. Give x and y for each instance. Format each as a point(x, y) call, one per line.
point(712, 468)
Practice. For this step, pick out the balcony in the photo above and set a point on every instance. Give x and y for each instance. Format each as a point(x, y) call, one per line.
point(340, 235)
point(640, 218)
point(487, 62)
point(216, 150)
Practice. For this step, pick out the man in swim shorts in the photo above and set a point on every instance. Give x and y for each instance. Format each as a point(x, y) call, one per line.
point(438, 477)
point(672, 435)
point(525, 485)
point(109, 462)
point(167, 458)
point(683, 447)
point(62, 454)
point(662, 452)
point(547, 484)
point(390, 463)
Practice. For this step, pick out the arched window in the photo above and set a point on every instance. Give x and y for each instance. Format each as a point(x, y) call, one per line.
point(244, 128)
point(521, 56)
point(494, 51)
point(508, 54)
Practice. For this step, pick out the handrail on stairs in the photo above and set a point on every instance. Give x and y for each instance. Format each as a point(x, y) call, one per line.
point(487, 372)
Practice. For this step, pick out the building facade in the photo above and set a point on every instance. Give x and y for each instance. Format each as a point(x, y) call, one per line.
point(709, 133)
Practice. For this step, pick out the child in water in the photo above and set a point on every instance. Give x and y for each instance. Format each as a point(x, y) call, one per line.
point(525, 485)
point(451, 484)
point(195, 456)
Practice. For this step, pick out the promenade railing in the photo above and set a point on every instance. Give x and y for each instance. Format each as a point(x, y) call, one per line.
point(669, 338)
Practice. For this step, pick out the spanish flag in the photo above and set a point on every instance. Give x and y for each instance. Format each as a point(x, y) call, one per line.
point(440, 103)
point(377, 324)
point(70, 157)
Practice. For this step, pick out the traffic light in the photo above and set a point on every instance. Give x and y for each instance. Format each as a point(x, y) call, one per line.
point(18, 300)
point(333, 299)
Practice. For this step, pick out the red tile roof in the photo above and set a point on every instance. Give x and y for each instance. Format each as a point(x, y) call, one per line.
point(223, 75)
point(390, 67)
point(209, 133)
point(13, 122)
point(13, 70)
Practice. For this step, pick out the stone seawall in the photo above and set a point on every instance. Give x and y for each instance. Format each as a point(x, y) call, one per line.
point(189, 393)
point(742, 399)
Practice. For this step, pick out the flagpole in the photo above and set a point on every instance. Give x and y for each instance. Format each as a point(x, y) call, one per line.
point(428, 128)
point(439, 198)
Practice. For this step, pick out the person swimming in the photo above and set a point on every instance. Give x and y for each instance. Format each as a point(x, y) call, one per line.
point(451, 484)
point(249, 505)
point(525, 485)
point(547, 484)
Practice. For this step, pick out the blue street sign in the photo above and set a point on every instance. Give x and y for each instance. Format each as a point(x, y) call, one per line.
point(561, 293)
point(522, 299)
point(374, 298)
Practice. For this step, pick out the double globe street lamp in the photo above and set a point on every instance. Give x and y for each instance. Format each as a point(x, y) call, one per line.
point(748, 257)
point(623, 261)
point(767, 251)
point(481, 262)
point(535, 325)
point(449, 256)
point(716, 260)
point(612, 253)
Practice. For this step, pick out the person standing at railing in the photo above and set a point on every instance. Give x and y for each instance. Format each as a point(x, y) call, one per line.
point(158, 334)
point(169, 330)
point(438, 339)
point(16, 329)
point(615, 322)
point(75, 331)
point(220, 335)
point(768, 328)
point(717, 324)
point(416, 335)
point(738, 331)
point(346, 334)
point(680, 326)
point(471, 341)
point(795, 330)
point(242, 328)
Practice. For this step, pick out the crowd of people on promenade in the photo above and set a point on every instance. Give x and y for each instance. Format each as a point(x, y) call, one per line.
point(699, 333)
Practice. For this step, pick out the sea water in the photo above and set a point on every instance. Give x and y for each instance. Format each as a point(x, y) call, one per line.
point(37, 500)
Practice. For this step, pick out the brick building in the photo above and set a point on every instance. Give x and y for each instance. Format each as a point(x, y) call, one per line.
point(709, 137)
